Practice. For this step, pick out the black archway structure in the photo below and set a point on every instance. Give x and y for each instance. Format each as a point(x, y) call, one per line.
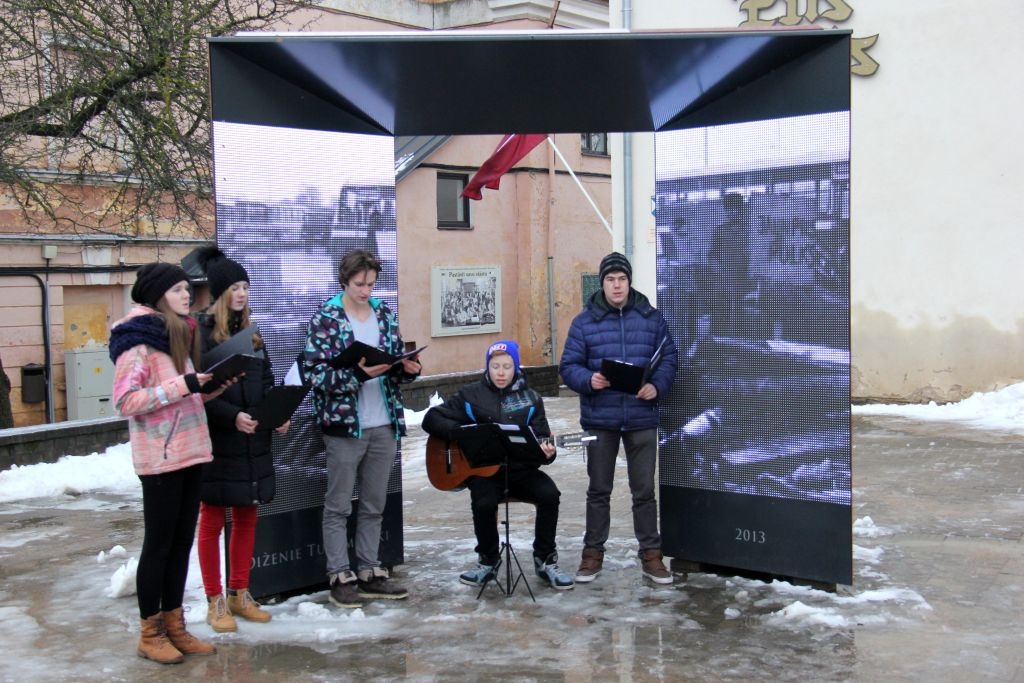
point(466, 83)
point(555, 82)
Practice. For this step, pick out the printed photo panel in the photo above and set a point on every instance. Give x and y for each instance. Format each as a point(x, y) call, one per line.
point(290, 204)
point(753, 278)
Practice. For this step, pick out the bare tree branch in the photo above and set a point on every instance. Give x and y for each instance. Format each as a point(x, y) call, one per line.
point(104, 114)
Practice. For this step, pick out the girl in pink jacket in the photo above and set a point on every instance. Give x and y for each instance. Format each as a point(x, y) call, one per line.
point(157, 388)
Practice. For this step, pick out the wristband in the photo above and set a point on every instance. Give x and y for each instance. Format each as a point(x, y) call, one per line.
point(192, 382)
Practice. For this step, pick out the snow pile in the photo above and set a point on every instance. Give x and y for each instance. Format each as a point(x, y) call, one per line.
point(72, 476)
point(865, 528)
point(1002, 410)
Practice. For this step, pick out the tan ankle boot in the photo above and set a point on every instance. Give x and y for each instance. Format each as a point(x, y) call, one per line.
point(241, 604)
point(218, 616)
point(180, 638)
point(153, 642)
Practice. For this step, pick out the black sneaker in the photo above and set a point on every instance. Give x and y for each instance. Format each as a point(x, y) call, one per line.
point(374, 583)
point(343, 589)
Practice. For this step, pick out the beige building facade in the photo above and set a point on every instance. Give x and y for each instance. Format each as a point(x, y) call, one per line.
point(935, 224)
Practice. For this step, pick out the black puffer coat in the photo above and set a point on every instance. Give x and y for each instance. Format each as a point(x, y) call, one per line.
point(242, 471)
point(482, 402)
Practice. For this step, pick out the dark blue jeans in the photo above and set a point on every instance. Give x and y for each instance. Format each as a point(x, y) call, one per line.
point(641, 458)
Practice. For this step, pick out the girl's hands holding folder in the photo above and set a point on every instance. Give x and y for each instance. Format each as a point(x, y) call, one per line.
point(245, 424)
point(204, 377)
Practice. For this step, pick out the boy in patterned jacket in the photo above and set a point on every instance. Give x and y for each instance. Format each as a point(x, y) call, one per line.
point(361, 416)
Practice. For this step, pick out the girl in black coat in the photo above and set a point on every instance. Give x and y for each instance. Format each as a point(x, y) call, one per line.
point(502, 396)
point(241, 476)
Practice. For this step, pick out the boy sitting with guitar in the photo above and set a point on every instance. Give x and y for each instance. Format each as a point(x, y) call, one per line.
point(502, 396)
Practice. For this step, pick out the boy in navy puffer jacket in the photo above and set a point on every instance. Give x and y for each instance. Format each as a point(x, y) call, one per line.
point(619, 323)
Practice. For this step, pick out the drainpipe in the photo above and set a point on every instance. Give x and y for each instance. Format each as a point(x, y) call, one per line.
point(552, 320)
point(33, 272)
point(627, 160)
point(47, 361)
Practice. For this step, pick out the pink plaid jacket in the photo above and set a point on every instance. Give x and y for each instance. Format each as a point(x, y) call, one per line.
point(167, 424)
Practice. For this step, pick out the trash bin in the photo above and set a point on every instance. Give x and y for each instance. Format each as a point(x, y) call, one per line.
point(33, 383)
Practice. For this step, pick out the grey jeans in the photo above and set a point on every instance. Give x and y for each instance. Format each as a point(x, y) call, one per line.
point(370, 458)
point(641, 458)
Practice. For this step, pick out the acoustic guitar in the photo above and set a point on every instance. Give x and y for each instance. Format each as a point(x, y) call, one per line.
point(448, 468)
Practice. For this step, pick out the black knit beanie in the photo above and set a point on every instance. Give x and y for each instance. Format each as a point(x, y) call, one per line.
point(616, 263)
point(153, 280)
point(221, 272)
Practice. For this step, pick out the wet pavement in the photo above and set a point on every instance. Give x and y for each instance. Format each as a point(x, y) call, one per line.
point(937, 596)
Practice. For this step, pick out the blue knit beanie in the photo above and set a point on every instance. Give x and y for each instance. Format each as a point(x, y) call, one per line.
point(504, 346)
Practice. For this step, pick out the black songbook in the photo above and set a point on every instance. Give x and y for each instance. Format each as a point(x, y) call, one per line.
point(630, 378)
point(278, 404)
point(624, 377)
point(240, 342)
point(231, 366)
point(491, 443)
point(349, 358)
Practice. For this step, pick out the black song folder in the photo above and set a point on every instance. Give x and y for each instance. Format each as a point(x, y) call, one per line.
point(350, 356)
point(278, 404)
point(231, 366)
point(240, 342)
point(624, 377)
point(491, 443)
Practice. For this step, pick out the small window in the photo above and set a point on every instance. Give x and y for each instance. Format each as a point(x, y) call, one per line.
point(589, 284)
point(452, 210)
point(594, 143)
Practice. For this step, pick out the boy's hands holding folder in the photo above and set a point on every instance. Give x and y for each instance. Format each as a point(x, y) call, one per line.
point(599, 381)
point(372, 371)
point(648, 392)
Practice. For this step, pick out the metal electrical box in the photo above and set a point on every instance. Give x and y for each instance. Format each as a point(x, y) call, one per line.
point(90, 380)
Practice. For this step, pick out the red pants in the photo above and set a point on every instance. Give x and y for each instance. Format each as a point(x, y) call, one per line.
point(240, 545)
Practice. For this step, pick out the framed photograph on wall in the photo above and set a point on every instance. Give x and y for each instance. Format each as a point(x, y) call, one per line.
point(465, 300)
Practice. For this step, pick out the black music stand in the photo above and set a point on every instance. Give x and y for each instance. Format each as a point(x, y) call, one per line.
point(497, 444)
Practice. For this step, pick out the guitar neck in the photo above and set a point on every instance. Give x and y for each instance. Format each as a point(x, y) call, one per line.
point(574, 440)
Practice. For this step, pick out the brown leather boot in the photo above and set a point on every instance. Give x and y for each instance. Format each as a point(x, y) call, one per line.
point(590, 565)
point(653, 566)
point(153, 642)
point(241, 604)
point(180, 638)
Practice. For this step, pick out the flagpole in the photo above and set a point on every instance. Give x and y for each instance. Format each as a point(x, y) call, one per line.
point(580, 185)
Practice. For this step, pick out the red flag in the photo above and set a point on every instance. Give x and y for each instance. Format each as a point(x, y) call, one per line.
point(509, 152)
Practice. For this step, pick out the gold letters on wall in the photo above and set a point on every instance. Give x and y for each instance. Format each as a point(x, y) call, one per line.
point(814, 11)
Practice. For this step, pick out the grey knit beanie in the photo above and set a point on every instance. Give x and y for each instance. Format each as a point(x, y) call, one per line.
point(616, 263)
